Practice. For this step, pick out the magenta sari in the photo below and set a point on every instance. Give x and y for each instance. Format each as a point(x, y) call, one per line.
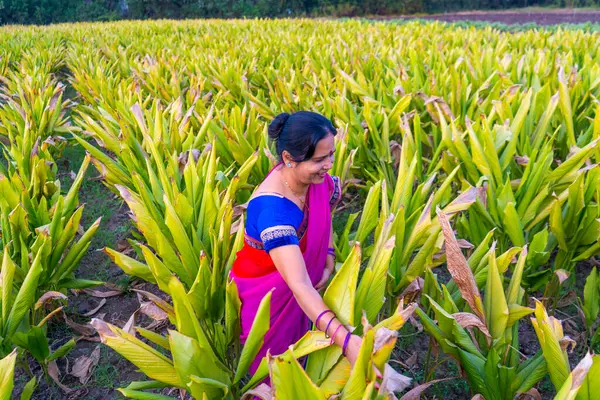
point(288, 321)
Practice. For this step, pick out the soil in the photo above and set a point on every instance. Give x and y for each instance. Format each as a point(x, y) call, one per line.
point(549, 17)
point(112, 371)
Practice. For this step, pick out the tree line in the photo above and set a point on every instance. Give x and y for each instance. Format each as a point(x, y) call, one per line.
point(55, 11)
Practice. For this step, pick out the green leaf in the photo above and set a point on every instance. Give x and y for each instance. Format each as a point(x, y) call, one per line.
point(138, 395)
point(130, 265)
point(255, 340)
point(190, 359)
point(154, 337)
point(512, 225)
point(6, 285)
point(148, 360)
point(34, 341)
point(549, 332)
point(233, 307)
point(496, 309)
point(529, 373)
point(362, 372)
point(556, 226)
point(591, 298)
point(283, 372)
point(516, 312)
point(62, 350)
point(200, 387)
point(341, 292)
point(512, 293)
point(28, 389)
point(370, 295)
point(7, 371)
point(72, 283)
point(25, 298)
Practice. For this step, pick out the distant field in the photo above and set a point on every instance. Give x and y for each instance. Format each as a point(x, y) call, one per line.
point(539, 16)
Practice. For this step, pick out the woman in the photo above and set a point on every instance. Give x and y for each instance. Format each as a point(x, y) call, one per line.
point(289, 242)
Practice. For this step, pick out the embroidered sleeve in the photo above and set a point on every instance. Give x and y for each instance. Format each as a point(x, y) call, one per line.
point(336, 192)
point(279, 235)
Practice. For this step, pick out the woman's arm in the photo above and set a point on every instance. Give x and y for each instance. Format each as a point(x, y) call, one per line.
point(290, 264)
point(329, 265)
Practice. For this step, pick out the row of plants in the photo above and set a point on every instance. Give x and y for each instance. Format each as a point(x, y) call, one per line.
point(495, 131)
point(41, 236)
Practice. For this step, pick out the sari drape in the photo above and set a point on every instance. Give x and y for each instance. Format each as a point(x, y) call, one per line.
point(255, 275)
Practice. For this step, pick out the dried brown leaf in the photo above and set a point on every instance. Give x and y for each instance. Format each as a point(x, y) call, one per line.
point(580, 371)
point(95, 310)
point(530, 394)
point(101, 294)
point(102, 328)
point(153, 311)
point(166, 307)
point(468, 320)
point(413, 321)
point(413, 290)
point(49, 296)
point(465, 244)
point(129, 326)
point(262, 391)
point(123, 246)
point(459, 269)
point(54, 373)
point(568, 344)
point(412, 360)
point(393, 381)
point(415, 393)
point(562, 275)
point(84, 330)
point(83, 368)
point(383, 337)
point(522, 160)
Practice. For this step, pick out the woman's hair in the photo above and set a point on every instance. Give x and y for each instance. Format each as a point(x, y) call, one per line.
point(299, 133)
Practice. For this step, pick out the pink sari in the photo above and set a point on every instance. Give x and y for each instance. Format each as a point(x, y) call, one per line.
point(288, 321)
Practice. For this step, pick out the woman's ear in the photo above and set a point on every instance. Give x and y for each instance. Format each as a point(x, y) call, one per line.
point(287, 158)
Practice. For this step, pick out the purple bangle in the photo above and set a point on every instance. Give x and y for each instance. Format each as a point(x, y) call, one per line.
point(331, 251)
point(327, 327)
point(346, 343)
point(319, 317)
point(334, 333)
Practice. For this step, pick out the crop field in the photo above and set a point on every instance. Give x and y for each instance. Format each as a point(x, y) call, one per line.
point(466, 238)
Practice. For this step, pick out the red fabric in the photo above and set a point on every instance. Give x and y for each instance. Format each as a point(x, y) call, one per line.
point(254, 263)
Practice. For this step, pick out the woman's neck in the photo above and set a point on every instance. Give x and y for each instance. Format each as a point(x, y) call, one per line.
point(294, 184)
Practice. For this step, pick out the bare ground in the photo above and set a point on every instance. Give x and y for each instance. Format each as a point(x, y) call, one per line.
point(549, 17)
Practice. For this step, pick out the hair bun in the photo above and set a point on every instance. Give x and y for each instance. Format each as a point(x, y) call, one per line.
point(276, 126)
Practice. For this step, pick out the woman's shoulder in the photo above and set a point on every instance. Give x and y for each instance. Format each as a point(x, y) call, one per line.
point(273, 206)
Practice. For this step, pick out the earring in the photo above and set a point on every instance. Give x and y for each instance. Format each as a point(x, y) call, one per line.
point(289, 165)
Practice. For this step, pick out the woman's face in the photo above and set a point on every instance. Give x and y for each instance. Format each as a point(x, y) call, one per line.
point(315, 169)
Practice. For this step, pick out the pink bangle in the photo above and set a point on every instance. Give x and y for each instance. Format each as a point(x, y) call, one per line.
point(319, 317)
point(334, 333)
point(327, 327)
point(346, 343)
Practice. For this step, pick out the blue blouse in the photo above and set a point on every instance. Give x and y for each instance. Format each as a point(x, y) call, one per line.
point(274, 220)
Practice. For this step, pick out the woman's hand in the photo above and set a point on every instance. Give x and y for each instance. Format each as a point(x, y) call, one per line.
point(353, 349)
point(327, 272)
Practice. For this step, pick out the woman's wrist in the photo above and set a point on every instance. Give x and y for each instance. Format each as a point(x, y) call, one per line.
point(330, 264)
point(340, 333)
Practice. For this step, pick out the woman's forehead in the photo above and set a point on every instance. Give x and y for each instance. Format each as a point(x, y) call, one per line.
point(325, 147)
